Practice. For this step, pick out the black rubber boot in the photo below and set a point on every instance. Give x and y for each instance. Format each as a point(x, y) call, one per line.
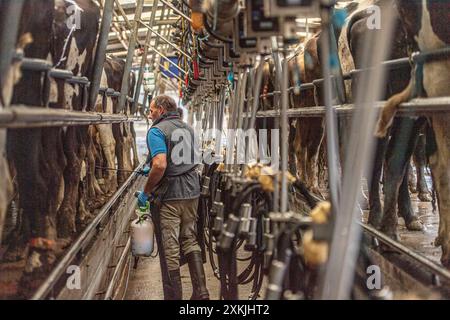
point(199, 290)
point(174, 288)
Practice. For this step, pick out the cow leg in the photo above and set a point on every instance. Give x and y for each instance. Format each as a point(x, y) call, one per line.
point(405, 209)
point(25, 148)
point(100, 173)
point(53, 169)
point(300, 150)
point(314, 140)
point(6, 189)
point(67, 211)
point(440, 164)
point(84, 215)
point(398, 154)
point(92, 195)
point(420, 162)
point(323, 170)
point(123, 152)
point(134, 146)
point(291, 162)
point(374, 184)
point(89, 165)
point(119, 152)
point(108, 145)
point(95, 196)
point(100, 163)
point(128, 147)
point(18, 239)
point(412, 179)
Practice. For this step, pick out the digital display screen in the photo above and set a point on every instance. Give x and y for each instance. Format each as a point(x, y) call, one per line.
point(259, 22)
point(288, 3)
point(244, 42)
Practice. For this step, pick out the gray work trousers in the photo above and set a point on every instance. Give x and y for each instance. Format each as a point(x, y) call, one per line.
point(179, 229)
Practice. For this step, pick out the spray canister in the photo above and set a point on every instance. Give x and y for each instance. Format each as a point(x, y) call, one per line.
point(142, 233)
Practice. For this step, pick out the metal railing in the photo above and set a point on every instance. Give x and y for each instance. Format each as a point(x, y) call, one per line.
point(415, 107)
point(83, 241)
point(34, 117)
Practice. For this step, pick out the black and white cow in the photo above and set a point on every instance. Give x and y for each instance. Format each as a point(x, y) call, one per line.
point(392, 153)
point(426, 25)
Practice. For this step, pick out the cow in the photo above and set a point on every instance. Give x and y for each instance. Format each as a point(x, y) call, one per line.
point(44, 157)
point(123, 133)
point(78, 146)
point(108, 133)
point(25, 147)
point(388, 151)
point(304, 67)
point(305, 134)
point(57, 183)
point(426, 25)
point(106, 136)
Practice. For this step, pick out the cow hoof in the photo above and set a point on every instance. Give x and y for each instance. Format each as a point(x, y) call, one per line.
point(38, 266)
point(391, 234)
point(424, 197)
point(415, 225)
point(374, 219)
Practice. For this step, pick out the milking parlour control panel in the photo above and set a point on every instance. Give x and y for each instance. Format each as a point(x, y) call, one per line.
point(292, 8)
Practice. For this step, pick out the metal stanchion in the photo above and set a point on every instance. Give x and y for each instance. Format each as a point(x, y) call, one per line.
point(8, 37)
point(166, 41)
point(129, 62)
point(275, 155)
point(144, 57)
point(345, 242)
point(100, 54)
point(284, 133)
point(330, 115)
point(239, 128)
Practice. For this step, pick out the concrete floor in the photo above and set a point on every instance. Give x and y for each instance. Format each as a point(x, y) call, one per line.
point(422, 242)
point(145, 282)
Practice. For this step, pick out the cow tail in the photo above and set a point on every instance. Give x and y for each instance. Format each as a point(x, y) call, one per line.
point(389, 110)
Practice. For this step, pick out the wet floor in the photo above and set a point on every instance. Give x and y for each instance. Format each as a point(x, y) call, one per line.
point(145, 282)
point(422, 241)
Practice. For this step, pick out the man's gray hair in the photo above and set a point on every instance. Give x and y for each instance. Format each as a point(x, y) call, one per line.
point(165, 102)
